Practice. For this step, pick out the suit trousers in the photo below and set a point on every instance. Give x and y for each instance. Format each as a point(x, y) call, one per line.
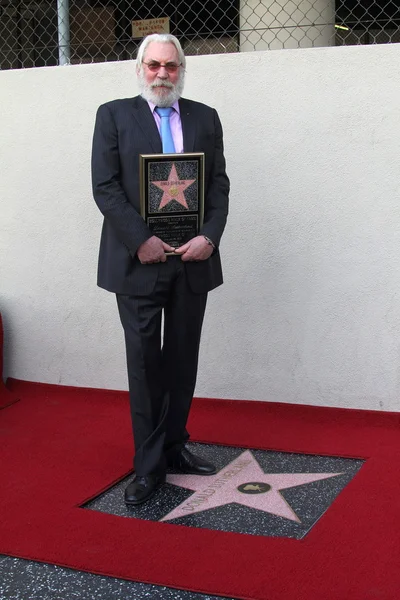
point(161, 372)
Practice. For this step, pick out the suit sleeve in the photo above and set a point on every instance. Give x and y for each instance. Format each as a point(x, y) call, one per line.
point(108, 192)
point(217, 199)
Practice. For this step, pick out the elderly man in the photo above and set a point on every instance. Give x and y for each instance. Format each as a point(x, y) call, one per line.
point(134, 264)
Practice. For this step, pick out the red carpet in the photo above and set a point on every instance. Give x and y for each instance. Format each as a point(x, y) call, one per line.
point(6, 397)
point(61, 446)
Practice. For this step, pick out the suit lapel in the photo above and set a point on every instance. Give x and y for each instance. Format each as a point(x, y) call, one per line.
point(146, 122)
point(188, 125)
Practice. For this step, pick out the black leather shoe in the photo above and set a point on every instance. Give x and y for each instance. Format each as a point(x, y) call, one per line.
point(187, 462)
point(143, 488)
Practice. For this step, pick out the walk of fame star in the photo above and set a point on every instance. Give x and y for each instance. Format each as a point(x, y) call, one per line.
point(173, 188)
point(244, 482)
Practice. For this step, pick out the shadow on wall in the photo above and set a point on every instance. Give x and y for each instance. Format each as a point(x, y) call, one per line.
point(6, 397)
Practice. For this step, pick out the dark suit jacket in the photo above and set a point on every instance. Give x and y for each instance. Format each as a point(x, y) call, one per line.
point(124, 129)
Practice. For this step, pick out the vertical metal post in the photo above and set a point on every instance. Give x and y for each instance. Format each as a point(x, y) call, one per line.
point(19, 58)
point(64, 49)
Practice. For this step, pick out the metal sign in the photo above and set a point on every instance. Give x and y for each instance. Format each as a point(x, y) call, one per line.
point(148, 26)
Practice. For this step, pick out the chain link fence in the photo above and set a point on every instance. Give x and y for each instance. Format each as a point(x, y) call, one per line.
point(51, 32)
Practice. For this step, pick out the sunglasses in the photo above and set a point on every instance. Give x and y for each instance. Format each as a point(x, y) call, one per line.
point(155, 66)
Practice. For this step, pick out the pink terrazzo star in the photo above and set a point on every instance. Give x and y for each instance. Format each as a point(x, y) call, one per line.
point(173, 188)
point(244, 482)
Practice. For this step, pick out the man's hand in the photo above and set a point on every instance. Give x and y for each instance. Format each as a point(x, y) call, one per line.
point(195, 249)
point(153, 251)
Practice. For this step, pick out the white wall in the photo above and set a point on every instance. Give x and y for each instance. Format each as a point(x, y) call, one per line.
point(310, 308)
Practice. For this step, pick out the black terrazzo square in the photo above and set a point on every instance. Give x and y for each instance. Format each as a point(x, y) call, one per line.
point(29, 580)
point(256, 492)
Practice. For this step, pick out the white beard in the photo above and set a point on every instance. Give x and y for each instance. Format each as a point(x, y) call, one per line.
point(167, 97)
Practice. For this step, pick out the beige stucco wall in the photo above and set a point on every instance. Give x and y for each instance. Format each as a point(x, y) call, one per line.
point(310, 309)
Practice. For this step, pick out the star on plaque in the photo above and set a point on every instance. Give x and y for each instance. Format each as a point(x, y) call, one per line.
point(243, 482)
point(173, 188)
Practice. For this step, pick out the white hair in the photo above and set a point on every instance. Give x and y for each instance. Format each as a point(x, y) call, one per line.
point(163, 38)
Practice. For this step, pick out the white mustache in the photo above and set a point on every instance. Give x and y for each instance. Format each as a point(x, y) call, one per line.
point(162, 83)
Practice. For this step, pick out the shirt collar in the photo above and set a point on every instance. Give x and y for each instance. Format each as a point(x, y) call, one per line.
point(175, 106)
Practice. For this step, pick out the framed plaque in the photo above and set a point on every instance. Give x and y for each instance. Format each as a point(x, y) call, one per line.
point(172, 195)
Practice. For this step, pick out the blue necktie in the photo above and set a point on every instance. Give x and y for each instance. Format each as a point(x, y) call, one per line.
point(168, 146)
